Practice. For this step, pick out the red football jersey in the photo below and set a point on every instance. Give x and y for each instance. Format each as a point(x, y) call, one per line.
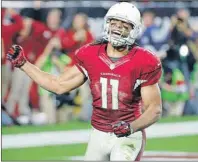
point(115, 86)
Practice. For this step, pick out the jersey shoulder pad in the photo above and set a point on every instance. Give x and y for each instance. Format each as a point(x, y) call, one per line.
point(82, 50)
point(149, 61)
point(86, 51)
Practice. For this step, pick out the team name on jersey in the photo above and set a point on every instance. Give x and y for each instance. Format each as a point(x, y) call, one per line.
point(110, 74)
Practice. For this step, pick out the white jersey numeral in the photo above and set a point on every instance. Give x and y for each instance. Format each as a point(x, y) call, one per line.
point(114, 84)
point(103, 82)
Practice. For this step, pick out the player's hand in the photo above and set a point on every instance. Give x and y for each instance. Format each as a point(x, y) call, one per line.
point(121, 129)
point(16, 56)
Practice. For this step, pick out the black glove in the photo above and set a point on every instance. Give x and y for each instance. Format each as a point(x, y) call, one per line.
point(16, 56)
point(121, 129)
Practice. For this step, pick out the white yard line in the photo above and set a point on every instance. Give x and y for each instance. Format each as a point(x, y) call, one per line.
point(82, 136)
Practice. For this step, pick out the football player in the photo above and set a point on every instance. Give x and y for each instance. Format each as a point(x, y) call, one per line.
point(123, 81)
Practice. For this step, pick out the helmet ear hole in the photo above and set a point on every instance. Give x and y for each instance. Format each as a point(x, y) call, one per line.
point(132, 26)
point(135, 32)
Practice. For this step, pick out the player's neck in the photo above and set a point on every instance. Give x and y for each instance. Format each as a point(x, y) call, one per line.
point(116, 52)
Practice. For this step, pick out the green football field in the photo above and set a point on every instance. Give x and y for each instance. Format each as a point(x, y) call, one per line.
point(73, 125)
point(187, 143)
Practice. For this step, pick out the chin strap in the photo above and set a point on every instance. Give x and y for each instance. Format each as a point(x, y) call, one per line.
point(124, 47)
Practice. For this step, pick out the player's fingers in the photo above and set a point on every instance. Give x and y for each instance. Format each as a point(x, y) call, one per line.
point(12, 51)
point(120, 135)
point(9, 56)
point(116, 124)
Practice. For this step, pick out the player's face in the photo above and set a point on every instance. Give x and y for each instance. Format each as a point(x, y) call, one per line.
point(120, 28)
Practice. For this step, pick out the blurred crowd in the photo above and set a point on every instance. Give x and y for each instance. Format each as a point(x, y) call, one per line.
point(50, 39)
point(179, 56)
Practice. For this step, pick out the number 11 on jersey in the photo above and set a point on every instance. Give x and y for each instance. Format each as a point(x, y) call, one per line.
point(114, 92)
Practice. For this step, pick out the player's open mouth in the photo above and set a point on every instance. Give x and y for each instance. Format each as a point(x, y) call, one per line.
point(116, 33)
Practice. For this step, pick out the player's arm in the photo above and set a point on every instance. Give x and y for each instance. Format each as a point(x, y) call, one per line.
point(69, 80)
point(152, 112)
point(151, 98)
point(152, 107)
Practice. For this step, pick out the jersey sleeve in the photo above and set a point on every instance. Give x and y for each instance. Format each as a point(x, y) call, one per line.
point(79, 59)
point(151, 73)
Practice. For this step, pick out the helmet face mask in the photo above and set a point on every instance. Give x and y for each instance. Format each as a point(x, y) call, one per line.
point(118, 32)
point(129, 17)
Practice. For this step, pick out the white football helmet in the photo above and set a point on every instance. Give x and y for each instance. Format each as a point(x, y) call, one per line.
point(128, 13)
